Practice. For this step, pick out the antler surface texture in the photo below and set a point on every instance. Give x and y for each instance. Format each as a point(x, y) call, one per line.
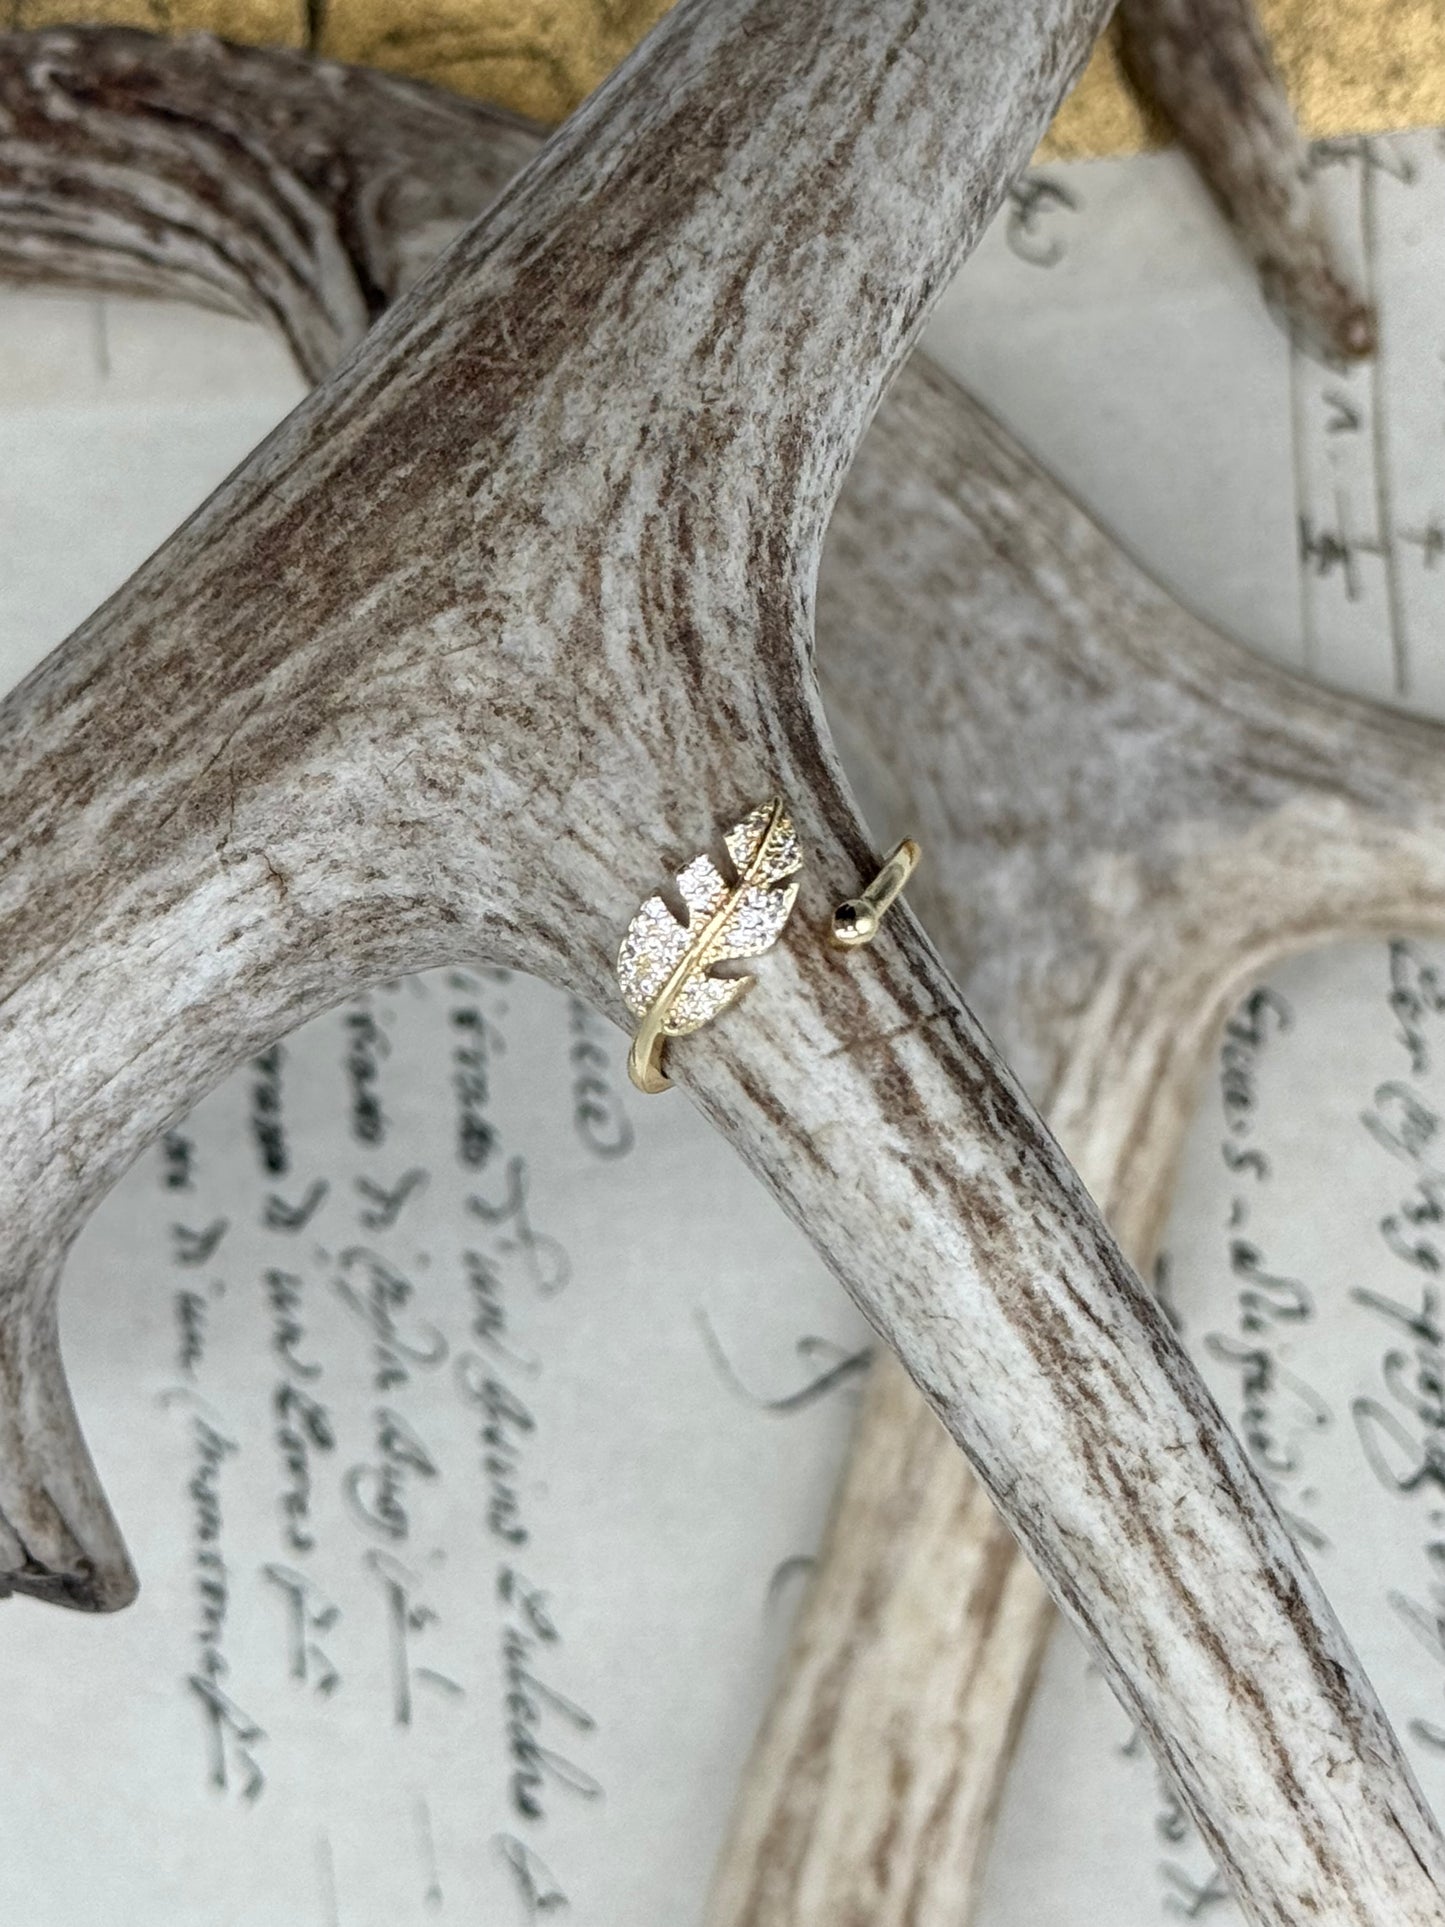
point(471, 652)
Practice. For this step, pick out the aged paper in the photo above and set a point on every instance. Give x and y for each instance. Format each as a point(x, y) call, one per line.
point(1109, 321)
point(470, 1521)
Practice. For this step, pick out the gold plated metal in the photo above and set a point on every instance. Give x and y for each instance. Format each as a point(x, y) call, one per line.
point(856, 921)
point(665, 962)
point(664, 965)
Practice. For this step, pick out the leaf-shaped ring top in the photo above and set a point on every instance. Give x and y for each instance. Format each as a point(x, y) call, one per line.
point(664, 965)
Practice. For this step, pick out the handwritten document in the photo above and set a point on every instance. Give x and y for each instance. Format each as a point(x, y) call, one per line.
point(471, 1519)
point(468, 1519)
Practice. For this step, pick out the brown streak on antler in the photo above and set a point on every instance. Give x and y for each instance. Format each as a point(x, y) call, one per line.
point(1206, 66)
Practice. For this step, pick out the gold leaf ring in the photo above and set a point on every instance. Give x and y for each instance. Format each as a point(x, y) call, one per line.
point(665, 964)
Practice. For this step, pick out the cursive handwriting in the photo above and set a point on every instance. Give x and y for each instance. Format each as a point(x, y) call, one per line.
point(1401, 1424)
point(309, 1614)
point(233, 1737)
point(268, 1129)
point(408, 1617)
point(1276, 1410)
point(514, 1239)
point(599, 1116)
point(367, 1048)
point(533, 1709)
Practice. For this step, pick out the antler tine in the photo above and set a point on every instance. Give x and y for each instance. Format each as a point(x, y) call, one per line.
point(183, 168)
point(1128, 818)
point(1206, 65)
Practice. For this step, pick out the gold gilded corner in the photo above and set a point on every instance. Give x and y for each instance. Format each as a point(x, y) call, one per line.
point(1352, 66)
point(268, 23)
point(538, 57)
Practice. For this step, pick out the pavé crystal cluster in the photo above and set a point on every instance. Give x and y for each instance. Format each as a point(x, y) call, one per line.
point(663, 957)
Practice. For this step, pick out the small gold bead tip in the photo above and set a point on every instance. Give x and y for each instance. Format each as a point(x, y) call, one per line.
point(857, 921)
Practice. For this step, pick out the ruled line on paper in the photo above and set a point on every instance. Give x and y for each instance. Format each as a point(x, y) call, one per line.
point(1379, 426)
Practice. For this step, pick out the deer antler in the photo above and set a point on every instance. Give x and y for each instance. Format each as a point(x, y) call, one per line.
point(502, 620)
point(1086, 757)
point(1128, 819)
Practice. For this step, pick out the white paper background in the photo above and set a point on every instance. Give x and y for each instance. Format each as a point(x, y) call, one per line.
point(690, 1387)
